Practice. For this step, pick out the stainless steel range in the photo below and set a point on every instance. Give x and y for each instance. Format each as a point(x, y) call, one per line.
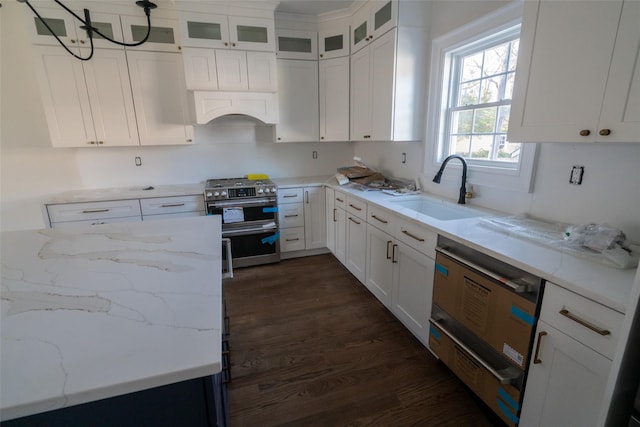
point(249, 211)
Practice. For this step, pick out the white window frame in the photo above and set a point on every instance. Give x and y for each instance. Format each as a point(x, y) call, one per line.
point(489, 173)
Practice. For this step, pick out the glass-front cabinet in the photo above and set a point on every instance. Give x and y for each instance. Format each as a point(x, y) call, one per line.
point(224, 32)
point(333, 43)
point(297, 44)
point(374, 19)
point(162, 38)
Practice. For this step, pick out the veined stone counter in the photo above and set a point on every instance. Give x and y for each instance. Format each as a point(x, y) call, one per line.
point(101, 311)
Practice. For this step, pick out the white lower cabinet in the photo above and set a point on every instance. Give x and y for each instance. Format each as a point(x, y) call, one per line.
point(301, 219)
point(379, 264)
point(336, 224)
point(568, 374)
point(172, 207)
point(314, 218)
point(356, 259)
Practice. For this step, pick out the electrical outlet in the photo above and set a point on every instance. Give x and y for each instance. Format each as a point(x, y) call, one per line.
point(576, 175)
point(138, 161)
point(404, 158)
point(314, 154)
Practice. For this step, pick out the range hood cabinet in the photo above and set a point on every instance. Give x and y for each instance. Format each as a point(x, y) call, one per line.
point(210, 105)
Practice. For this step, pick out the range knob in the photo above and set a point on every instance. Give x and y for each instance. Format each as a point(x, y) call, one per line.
point(260, 191)
point(216, 194)
point(273, 190)
point(223, 194)
point(266, 190)
point(209, 194)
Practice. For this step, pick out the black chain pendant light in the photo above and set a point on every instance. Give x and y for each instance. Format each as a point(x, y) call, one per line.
point(146, 5)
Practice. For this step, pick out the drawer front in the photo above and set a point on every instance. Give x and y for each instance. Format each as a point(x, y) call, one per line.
point(381, 219)
point(417, 236)
point(290, 195)
point(356, 207)
point(582, 319)
point(292, 239)
point(94, 210)
point(172, 215)
point(96, 221)
point(169, 205)
point(291, 215)
point(340, 200)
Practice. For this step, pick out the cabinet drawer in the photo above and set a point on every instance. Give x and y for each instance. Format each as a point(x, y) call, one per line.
point(417, 236)
point(356, 207)
point(93, 210)
point(340, 200)
point(96, 221)
point(582, 319)
point(291, 239)
point(148, 218)
point(290, 195)
point(381, 219)
point(291, 215)
point(169, 205)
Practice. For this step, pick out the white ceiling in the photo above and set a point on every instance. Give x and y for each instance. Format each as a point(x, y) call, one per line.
point(312, 7)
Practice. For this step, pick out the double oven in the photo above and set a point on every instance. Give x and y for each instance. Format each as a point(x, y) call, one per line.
point(249, 212)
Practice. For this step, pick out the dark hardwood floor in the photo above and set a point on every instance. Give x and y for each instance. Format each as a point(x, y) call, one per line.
point(310, 346)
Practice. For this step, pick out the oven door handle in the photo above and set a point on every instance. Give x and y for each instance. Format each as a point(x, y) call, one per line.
point(239, 203)
point(245, 231)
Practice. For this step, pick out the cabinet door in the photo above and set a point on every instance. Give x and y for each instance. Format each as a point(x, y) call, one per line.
point(108, 24)
point(356, 257)
point(382, 66)
point(360, 96)
point(65, 98)
point(566, 387)
point(379, 266)
point(61, 22)
point(384, 16)
point(333, 75)
point(252, 33)
point(298, 100)
point(161, 108)
point(110, 97)
point(621, 106)
point(262, 71)
point(231, 66)
point(204, 30)
point(330, 216)
point(360, 28)
point(341, 236)
point(200, 71)
point(413, 288)
point(314, 218)
point(162, 38)
point(297, 44)
point(562, 66)
point(333, 43)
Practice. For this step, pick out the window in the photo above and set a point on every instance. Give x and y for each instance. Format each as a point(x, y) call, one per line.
point(472, 77)
point(479, 100)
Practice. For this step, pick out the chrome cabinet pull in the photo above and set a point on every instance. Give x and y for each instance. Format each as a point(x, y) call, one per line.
point(536, 356)
point(172, 205)
point(381, 220)
point(393, 254)
point(288, 196)
point(95, 210)
point(339, 199)
point(292, 240)
point(355, 207)
point(291, 216)
point(353, 220)
point(419, 239)
point(388, 243)
point(566, 313)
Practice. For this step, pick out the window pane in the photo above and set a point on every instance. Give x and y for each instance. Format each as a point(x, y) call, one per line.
point(491, 88)
point(495, 60)
point(471, 67)
point(510, 152)
point(461, 121)
point(503, 118)
point(469, 93)
point(204, 30)
point(461, 145)
point(485, 120)
point(513, 60)
point(481, 146)
point(250, 34)
point(508, 89)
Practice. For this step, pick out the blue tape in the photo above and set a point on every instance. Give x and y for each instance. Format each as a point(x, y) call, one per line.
point(522, 315)
point(507, 398)
point(442, 269)
point(267, 210)
point(507, 412)
point(271, 239)
point(436, 333)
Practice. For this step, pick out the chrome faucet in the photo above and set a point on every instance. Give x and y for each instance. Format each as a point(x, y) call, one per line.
point(463, 188)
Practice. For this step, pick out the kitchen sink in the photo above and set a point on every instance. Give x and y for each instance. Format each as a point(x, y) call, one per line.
point(439, 209)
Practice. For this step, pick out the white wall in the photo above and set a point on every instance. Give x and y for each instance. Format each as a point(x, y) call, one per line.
point(30, 170)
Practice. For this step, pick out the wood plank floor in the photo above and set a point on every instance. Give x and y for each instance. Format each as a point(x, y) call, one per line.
point(310, 346)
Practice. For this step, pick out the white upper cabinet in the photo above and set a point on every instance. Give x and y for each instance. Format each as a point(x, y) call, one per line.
point(333, 42)
point(571, 59)
point(227, 32)
point(371, 21)
point(298, 101)
point(294, 44)
point(163, 36)
point(333, 83)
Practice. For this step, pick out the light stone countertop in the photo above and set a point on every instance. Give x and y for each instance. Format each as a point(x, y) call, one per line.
point(606, 285)
point(95, 312)
point(305, 181)
point(125, 193)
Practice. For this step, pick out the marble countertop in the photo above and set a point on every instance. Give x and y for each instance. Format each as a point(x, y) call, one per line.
point(124, 193)
point(95, 312)
point(305, 181)
point(606, 285)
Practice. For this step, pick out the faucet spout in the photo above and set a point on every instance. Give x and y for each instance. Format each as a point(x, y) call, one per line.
point(463, 187)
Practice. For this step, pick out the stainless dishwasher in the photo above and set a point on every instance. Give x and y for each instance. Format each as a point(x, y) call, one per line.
point(482, 323)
